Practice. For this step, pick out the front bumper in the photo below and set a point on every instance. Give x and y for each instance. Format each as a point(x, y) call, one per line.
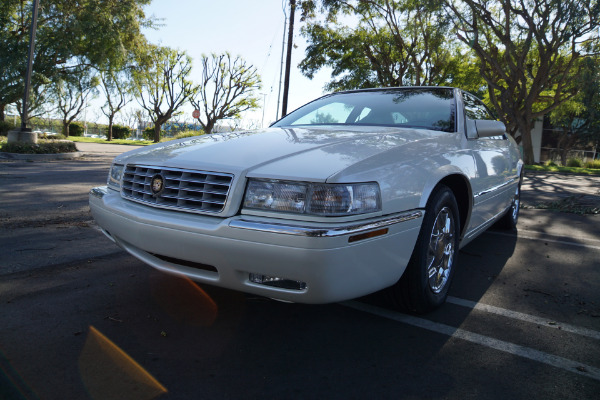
point(336, 261)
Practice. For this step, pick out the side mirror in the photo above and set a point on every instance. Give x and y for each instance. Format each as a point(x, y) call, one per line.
point(487, 128)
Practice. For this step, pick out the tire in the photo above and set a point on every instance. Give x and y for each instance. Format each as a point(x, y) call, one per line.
point(510, 219)
point(424, 285)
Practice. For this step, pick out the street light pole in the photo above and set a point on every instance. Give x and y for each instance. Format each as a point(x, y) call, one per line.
point(36, 4)
point(281, 66)
point(286, 84)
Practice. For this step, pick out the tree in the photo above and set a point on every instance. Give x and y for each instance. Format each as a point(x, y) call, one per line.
point(71, 95)
point(528, 52)
point(227, 89)
point(40, 102)
point(162, 83)
point(117, 89)
point(70, 34)
point(393, 43)
point(577, 121)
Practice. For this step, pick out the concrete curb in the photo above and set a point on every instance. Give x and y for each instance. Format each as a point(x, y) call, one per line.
point(41, 157)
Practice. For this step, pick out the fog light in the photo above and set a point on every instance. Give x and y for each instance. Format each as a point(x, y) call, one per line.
point(275, 281)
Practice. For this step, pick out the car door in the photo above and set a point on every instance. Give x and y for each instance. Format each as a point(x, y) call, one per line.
point(491, 189)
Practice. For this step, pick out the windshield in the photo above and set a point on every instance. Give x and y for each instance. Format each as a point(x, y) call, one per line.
point(426, 108)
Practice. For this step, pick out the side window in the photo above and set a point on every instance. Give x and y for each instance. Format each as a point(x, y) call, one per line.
point(475, 109)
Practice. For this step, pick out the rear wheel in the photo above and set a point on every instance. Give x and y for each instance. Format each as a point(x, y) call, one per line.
point(425, 283)
point(511, 217)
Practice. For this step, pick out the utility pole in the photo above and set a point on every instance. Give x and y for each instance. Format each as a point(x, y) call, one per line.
point(281, 66)
point(286, 83)
point(25, 134)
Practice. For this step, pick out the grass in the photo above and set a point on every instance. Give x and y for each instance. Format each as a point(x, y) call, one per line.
point(558, 168)
point(114, 141)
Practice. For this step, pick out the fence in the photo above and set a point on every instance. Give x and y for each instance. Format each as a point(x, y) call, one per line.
point(553, 154)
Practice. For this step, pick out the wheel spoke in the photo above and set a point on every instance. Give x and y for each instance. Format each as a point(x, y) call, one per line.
point(440, 250)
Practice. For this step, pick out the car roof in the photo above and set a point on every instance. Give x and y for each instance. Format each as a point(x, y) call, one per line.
point(394, 89)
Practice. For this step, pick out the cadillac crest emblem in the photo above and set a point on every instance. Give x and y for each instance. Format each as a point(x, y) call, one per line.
point(157, 185)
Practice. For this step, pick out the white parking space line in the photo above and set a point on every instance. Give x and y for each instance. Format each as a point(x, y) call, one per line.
point(507, 347)
point(587, 246)
point(525, 317)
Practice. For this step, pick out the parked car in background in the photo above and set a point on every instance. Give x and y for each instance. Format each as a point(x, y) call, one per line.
point(352, 193)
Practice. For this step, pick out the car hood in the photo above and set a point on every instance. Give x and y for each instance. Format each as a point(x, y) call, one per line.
point(280, 153)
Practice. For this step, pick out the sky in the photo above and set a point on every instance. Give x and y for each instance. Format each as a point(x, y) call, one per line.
point(252, 30)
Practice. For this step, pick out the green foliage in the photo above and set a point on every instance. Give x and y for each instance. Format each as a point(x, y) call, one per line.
point(529, 68)
point(557, 168)
point(76, 129)
point(229, 88)
point(188, 134)
point(392, 43)
point(72, 92)
point(592, 164)
point(119, 132)
point(127, 142)
point(91, 32)
point(551, 163)
point(5, 126)
point(578, 119)
point(574, 162)
point(42, 147)
point(52, 137)
point(148, 133)
point(162, 82)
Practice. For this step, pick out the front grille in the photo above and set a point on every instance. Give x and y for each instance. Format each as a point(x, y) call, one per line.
point(186, 190)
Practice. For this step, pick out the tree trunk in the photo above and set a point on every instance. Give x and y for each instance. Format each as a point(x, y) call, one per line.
point(563, 156)
point(65, 129)
point(157, 132)
point(109, 133)
point(2, 106)
point(208, 128)
point(525, 126)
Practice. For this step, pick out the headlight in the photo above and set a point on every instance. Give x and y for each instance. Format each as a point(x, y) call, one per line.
point(114, 176)
point(313, 198)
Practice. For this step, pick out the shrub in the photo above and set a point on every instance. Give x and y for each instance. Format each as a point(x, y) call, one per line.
point(5, 127)
point(574, 162)
point(594, 164)
point(551, 163)
point(148, 133)
point(119, 132)
point(187, 134)
point(76, 129)
point(50, 147)
point(58, 136)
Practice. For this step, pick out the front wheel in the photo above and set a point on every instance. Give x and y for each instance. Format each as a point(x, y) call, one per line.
point(425, 283)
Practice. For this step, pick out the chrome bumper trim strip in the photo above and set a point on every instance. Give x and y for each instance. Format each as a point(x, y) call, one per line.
point(298, 230)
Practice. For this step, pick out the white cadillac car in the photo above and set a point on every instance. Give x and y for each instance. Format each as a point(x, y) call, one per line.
point(352, 193)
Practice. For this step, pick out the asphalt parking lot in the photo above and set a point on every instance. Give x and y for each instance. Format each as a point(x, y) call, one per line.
point(80, 318)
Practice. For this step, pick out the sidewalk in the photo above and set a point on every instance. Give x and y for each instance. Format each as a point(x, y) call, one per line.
point(103, 149)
